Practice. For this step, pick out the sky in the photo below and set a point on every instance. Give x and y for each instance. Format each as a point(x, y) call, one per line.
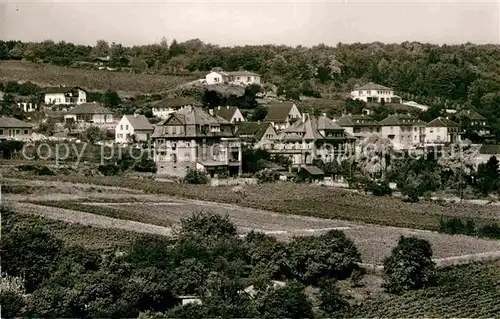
point(229, 23)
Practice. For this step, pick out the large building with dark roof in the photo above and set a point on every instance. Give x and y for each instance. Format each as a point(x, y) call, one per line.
point(360, 126)
point(442, 130)
point(171, 104)
point(405, 131)
point(282, 114)
point(90, 113)
point(230, 113)
point(191, 138)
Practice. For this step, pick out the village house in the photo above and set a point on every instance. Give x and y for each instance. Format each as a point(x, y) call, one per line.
point(442, 130)
point(194, 139)
point(65, 95)
point(474, 121)
point(133, 128)
point(257, 134)
point(313, 137)
point(90, 113)
point(12, 128)
point(373, 92)
point(360, 126)
point(237, 77)
point(282, 114)
point(404, 131)
point(231, 114)
point(163, 108)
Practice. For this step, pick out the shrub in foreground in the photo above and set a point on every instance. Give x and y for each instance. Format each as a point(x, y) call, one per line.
point(409, 266)
point(195, 177)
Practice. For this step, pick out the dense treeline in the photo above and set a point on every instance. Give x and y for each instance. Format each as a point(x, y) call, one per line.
point(452, 76)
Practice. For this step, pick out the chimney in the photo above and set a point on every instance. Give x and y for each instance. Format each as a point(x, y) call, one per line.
point(211, 112)
point(304, 117)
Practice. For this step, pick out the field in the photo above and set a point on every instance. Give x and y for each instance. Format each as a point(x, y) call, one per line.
point(51, 75)
point(466, 291)
point(154, 213)
point(305, 200)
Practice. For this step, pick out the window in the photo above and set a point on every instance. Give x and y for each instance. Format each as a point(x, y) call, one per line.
point(1, 132)
point(126, 127)
point(25, 132)
point(18, 132)
point(121, 127)
point(248, 79)
point(174, 130)
point(415, 129)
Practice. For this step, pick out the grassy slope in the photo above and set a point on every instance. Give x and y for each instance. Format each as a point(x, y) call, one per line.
point(46, 75)
point(309, 200)
point(467, 291)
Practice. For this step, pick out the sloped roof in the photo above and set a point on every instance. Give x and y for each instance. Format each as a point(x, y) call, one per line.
point(89, 108)
point(356, 121)
point(191, 117)
point(174, 102)
point(372, 86)
point(313, 170)
point(278, 111)
point(63, 89)
point(489, 149)
point(139, 122)
point(309, 128)
point(242, 73)
point(401, 120)
point(442, 122)
point(226, 112)
point(255, 129)
point(471, 114)
point(6, 121)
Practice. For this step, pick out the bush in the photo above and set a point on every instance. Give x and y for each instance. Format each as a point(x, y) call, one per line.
point(380, 188)
point(12, 304)
point(208, 225)
point(285, 302)
point(195, 177)
point(490, 231)
point(146, 165)
point(109, 169)
point(409, 266)
point(267, 176)
point(330, 298)
point(456, 226)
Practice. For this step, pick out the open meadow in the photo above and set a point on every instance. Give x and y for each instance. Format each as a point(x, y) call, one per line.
point(52, 75)
point(133, 209)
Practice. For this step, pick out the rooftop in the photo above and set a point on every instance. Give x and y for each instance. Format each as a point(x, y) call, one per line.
point(139, 122)
point(312, 127)
point(401, 120)
point(254, 129)
point(357, 121)
point(471, 114)
point(278, 111)
point(61, 89)
point(89, 108)
point(372, 86)
point(174, 102)
point(226, 112)
point(442, 122)
point(6, 122)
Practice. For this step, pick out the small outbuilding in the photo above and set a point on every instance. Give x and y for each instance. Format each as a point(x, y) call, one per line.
point(311, 173)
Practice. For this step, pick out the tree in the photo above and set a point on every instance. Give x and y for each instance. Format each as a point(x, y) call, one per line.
point(94, 134)
point(285, 302)
point(70, 124)
point(16, 53)
point(138, 65)
point(10, 107)
point(195, 177)
point(258, 114)
point(48, 127)
point(101, 49)
point(21, 254)
point(331, 300)
point(111, 99)
point(208, 225)
point(374, 153)
point(12, 304)
point(330, 255)
point(410, 265)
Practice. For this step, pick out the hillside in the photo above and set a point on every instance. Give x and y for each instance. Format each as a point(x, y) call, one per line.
point(52, 75)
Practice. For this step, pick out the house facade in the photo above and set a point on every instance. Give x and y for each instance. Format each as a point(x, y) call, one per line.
point(404, 131)
point(133, 128)
point(373, 92)
point(442, 130)
point(257, 134)
point(169, 105)
point(65, 95)
point(90, 113)
point(474, 121)
point(360, 126)
point(311, 138)
point(27, 107)
point(231, 114)
point(282, 114)
point(237, 77)
point(194, 139)
point(12, 128)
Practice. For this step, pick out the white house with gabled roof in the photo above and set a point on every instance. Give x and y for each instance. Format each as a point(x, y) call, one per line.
point(373, 92)
point(237, 77)
point(133, 127)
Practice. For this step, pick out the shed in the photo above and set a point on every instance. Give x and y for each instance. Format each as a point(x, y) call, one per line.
point(311, 173)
